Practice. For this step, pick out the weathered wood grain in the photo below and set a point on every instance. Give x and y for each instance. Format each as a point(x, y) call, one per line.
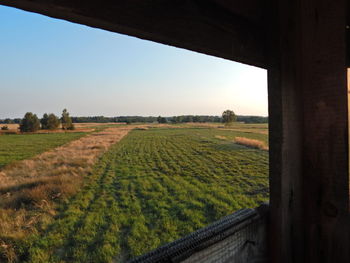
point(308, 112)
point(304, 46)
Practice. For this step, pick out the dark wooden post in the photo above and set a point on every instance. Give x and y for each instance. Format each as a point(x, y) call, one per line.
point(308, 109)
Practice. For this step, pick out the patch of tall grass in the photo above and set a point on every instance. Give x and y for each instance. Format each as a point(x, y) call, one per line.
point(251, 143)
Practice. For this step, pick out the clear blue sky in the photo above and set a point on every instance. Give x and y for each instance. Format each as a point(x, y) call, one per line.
point(49, 64)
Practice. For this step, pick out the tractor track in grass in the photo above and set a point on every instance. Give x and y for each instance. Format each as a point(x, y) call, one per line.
point(32, 190)
point(152, 187)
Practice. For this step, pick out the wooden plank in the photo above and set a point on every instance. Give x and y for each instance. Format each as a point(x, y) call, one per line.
point(252, 9)
point(206, 26)
point(308, 109)
point(348, 42)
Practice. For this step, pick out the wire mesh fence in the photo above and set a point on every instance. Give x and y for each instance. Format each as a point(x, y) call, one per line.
point(239, 237)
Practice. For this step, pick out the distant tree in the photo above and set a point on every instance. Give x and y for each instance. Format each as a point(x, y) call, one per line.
point(8, 121)
point(253, 119)
point(161, 119)
point(44, 121)
point(228, 116)
point(17, 120)
point(202, 119)
point(30, 123)
point(217, 119)
point(173, 119)
point(53, 122)
point(196, 118)
point(66, 121)
point(188, 118)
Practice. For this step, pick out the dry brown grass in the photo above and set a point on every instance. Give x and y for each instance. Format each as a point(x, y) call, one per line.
point(251, 143)
point(14, 129)
point(95, 124)
point(10, 126)
point(31, 188)
point(69, 159)
point(260, 131)
point(203, 125)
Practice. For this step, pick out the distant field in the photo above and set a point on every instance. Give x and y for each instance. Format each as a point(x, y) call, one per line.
point(19, 147)
point(79, 127)
point(155, 186)
point(31, 191)
point(10, 126)
point(95, 124)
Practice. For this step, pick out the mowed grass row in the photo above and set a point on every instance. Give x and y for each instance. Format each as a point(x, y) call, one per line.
point(24, 146)
point(151, 188)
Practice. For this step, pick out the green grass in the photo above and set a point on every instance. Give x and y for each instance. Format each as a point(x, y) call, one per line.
point(151, 188)
point(24, 146)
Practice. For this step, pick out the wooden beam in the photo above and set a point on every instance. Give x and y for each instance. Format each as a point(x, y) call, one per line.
point(308, 114)
point(348, 34)
point(206, 26)
point(253, 10)
point(348, 44)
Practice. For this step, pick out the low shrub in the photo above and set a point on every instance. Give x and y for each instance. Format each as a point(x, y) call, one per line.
point(251, 143)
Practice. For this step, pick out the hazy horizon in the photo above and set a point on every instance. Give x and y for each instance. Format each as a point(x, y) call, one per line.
point(49, 64)
point(145, 116)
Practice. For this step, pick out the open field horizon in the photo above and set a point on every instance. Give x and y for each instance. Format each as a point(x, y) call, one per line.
point(132, 188)
point(120, 144)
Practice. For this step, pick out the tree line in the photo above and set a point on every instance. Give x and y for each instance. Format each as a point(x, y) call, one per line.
point(152, 119)
point(149, 119)
point(172, 119)
point(31, 122)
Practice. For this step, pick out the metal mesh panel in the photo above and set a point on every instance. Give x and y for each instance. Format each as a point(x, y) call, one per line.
point(240, 237)
point(245, 245)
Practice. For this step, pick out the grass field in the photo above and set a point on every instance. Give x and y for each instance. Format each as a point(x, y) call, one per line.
point(24, 146)
point(31, 190)
point(154, 186)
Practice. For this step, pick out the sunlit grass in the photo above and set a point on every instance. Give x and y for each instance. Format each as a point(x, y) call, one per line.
point(32, 190)
point(23, 146)
point(153, 187)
